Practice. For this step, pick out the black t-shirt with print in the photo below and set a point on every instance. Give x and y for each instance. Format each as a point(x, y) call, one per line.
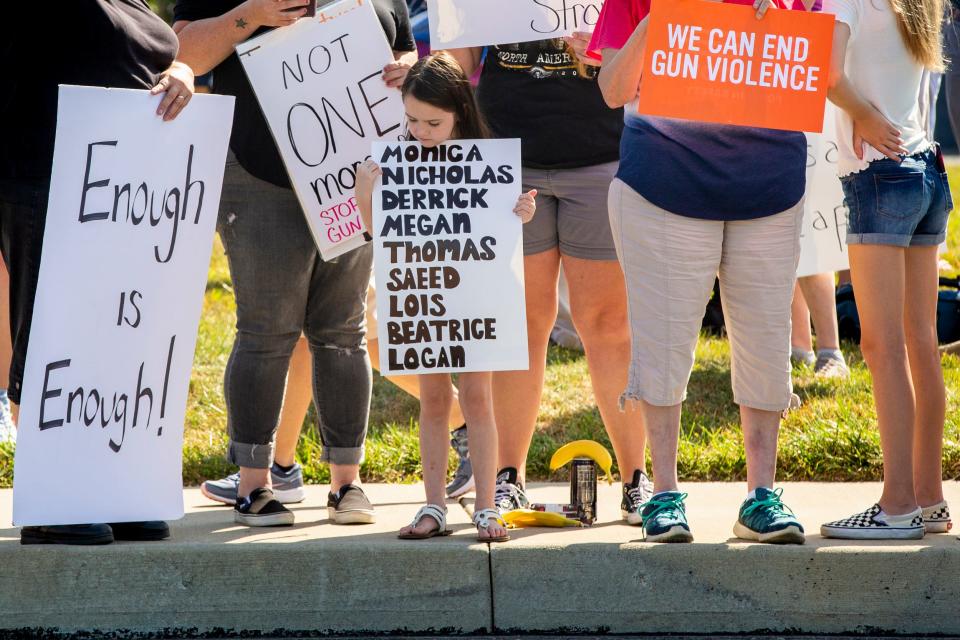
point(251, 140)
point(101, 43)
point(535, 92)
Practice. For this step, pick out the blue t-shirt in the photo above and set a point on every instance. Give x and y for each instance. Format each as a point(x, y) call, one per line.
point(712, 171)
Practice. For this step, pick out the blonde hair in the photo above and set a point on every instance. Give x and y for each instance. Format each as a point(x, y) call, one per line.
point(920, 23)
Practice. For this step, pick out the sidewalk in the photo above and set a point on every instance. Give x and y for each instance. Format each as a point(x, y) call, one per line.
point(213, 575)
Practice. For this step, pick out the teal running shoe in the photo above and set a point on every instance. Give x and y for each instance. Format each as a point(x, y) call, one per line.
point(665, 518)
point(766, 519)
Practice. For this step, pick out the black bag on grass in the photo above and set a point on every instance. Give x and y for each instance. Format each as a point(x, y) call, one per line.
point(948, 312)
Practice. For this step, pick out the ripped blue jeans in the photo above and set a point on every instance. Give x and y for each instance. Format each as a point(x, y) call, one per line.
point(283, 288)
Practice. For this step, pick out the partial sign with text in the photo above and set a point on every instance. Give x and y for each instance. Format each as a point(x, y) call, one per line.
point(823, 238)
point(448, 258)
point(319, 83)
point(130, 223)
point(478, 23)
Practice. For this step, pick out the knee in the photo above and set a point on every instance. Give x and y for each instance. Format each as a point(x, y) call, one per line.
point(435, 400)
point(541, 316)
point(476, 399)
point(883, 350)
point(923, 344)
point(271, 344)
point(602, 326)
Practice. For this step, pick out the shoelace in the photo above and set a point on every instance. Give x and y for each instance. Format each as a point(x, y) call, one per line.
point(672, 502)
point(636, 494)
point(508, 496)
point(772, 502)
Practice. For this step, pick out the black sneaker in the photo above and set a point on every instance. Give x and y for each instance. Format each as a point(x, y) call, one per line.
point(140, 531)
point(261, 509)
point(350, 505)
point(67, 534)
point(509, 493)
point(635, 494)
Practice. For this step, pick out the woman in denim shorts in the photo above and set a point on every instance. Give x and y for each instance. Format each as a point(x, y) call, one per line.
point(896, 188)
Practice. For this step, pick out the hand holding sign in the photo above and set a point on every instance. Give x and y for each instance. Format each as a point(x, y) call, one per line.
point(177, 83)
point(272, 13)
point(526, 206)
point(579, 41)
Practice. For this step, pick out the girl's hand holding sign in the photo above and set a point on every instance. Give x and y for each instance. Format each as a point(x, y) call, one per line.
point(526, 206)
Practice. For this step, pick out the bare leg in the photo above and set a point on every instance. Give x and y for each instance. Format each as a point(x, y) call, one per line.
point(296, 400)
point(516, 394)
point(476, 394)
point(760, 431)
point(663, 433)
point(878, 279)
point(6, 340)
point(343, 474)
point(820, 295)
point(598, 301)
point(411, 384)
point(435, 400)
point(920, 317)
point(800, 337)
point(251, 479)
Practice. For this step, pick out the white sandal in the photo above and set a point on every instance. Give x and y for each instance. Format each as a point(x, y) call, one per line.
point(438, 513)
point(483, 520)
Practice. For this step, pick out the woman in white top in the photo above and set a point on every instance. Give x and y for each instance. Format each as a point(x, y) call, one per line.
point(899, 199)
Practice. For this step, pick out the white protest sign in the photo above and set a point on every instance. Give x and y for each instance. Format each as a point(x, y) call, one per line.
point(448, 258)
point(130, 223)
point(478, 23)
point(319, 83)
point(823, 238)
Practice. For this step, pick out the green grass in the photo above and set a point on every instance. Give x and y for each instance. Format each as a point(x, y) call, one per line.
point(831, 437)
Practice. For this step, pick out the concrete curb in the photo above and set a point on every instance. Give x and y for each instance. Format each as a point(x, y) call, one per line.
point(216, 579)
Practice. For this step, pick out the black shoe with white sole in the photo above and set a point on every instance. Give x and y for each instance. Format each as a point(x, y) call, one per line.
point(262, 509)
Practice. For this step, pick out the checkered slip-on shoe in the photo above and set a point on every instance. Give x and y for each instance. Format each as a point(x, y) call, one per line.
point(875, 524)
point(936, 518)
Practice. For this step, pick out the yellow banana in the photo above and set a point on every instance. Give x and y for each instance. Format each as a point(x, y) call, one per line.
point(530, 518)
point(583, 449)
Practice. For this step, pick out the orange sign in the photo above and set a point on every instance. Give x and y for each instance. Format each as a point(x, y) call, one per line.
point(717, 63)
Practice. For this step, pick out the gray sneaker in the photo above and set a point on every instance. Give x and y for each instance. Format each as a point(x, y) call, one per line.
point(831, 365)
point(463, 480)
point(802, 357)
point(350, 505)
point(287, 487)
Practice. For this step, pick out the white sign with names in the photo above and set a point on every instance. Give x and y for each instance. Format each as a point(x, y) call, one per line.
point(448, 258)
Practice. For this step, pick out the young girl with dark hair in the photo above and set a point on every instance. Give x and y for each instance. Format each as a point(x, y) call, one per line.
point(440, 106)
point(896, 188)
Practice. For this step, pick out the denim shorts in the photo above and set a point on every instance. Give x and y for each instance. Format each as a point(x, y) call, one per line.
point(904, 204)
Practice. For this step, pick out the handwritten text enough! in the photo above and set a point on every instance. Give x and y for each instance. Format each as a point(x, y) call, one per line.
point(730, 55)
point(417, 292)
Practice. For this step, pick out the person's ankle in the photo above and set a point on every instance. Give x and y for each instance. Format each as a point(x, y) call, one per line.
point(929, 499)
point(898, 508)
